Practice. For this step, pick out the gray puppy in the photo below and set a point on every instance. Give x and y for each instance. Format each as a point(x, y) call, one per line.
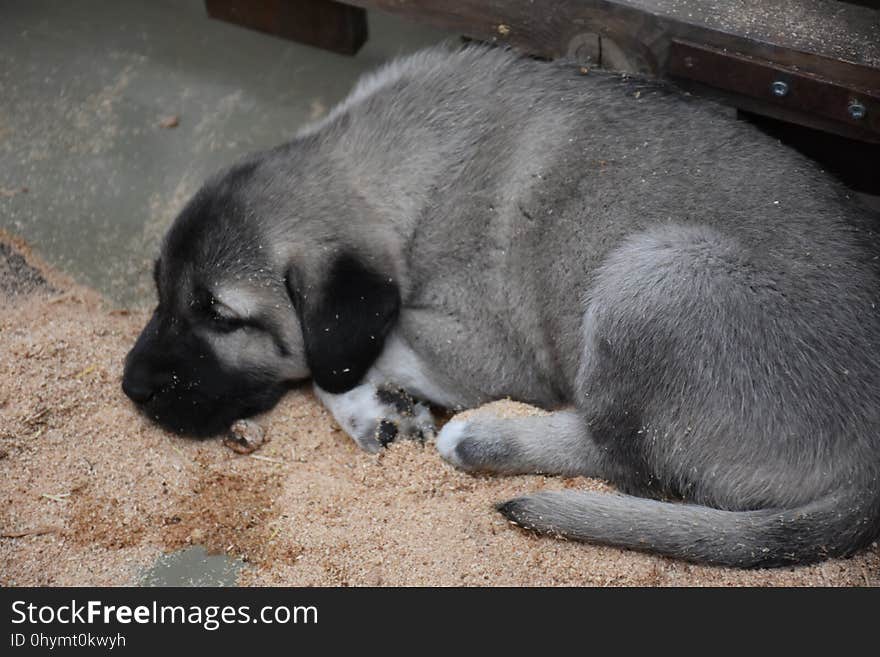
point(697, 303)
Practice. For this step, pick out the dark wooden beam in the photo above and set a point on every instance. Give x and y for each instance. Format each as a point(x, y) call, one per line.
point(779, 89)
point(322, 23)
point(819, 42)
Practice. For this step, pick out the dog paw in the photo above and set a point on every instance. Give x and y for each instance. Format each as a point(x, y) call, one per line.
point(376, 416)
point(448, 440)
point(470, 446)
point(402, 417)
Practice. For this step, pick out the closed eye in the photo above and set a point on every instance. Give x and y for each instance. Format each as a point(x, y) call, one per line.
point(213, 314)
point(222, 321)
point(225, 320)
point(216, 316)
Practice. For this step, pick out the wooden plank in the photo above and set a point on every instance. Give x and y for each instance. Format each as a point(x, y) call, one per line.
point(322, 23)
point(648, 26)
point(830, 40)
point(827, 28)
point(786, 88)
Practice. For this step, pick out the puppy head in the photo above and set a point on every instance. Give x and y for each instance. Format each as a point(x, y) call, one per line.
point(237, 323)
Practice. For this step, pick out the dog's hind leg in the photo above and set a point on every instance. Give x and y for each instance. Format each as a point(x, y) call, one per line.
point(557, 443)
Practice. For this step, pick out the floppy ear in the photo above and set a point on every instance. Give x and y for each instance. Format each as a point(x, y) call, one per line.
point(345, 319)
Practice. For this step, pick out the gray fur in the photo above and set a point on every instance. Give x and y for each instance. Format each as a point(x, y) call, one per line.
point(703, 300)
point(553, 444)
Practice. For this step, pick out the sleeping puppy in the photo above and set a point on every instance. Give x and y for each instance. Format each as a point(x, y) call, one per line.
point(698, 304)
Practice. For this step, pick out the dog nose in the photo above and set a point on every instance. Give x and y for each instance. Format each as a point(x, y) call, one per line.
point(141, 381)
point(139, 392)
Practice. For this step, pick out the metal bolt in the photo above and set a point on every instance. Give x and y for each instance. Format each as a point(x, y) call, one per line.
point(856, 110)
point(779, 88)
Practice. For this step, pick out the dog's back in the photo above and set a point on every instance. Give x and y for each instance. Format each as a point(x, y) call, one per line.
point(725, 287)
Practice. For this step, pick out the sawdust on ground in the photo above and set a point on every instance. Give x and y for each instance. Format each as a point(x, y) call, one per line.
point(92, 494)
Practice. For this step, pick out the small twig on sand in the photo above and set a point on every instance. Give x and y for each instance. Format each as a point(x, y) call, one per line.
point(87, 370)
point(67, 296)
point(268, 459)
point(36, 531)
point(182, 454)
point(35, 417)
point(60, 497)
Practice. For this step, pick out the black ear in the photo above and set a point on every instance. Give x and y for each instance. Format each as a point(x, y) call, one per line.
point(344, 321)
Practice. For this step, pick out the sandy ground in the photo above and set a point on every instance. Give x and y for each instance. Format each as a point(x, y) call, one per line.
point(92, 494)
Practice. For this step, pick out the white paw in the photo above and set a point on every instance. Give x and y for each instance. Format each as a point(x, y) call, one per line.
point(358, 413)
point(423, 420)
point(375, 417)
point(449, 438)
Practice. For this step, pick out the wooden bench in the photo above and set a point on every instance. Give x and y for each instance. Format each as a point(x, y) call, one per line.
point(811, 62)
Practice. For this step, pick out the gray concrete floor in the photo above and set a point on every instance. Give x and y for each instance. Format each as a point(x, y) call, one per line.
point(83, 88)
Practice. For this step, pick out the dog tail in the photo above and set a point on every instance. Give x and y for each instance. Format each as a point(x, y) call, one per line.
point(832, 526)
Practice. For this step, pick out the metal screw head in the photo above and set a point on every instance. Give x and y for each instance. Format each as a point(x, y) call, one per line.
point(856, 110)
point(779, 88)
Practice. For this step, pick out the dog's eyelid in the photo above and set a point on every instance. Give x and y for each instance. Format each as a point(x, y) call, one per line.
point(223, 317)
point(236, 302)
point(205, 302)
point(221, 310)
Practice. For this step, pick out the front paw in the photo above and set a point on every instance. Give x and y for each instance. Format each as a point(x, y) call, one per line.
point(376, 416)
point(403, 417)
